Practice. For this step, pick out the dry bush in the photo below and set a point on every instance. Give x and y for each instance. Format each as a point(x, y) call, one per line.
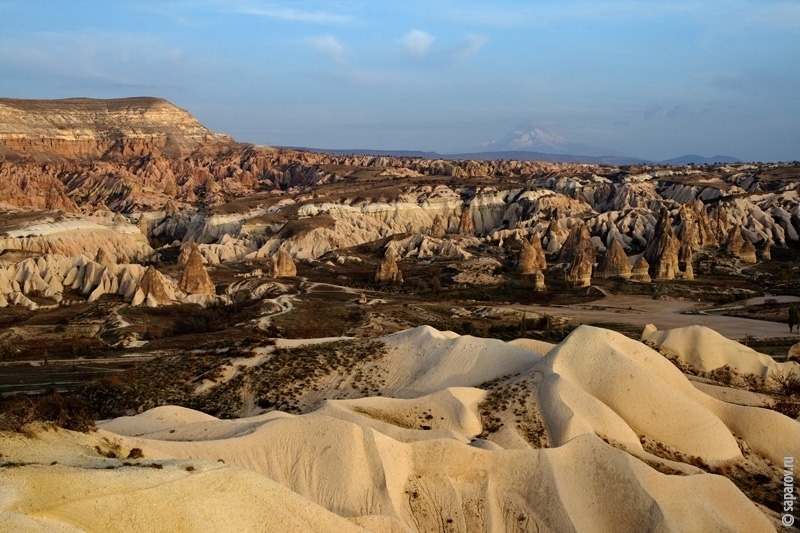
point(788, 383)
point(66, 411)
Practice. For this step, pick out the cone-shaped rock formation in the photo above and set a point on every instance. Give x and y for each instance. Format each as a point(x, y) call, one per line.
point(195, 279)
point(614, 263)
point(388, 271)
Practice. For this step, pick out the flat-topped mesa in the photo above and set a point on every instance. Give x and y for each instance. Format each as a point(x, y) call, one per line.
point(91, 128)
point(614, 263)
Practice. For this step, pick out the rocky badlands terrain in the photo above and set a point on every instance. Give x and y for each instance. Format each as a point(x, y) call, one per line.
point(200, 334)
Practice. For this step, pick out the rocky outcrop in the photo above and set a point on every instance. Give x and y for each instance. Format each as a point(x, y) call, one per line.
point(103, 257)
point(688, 270)
point(720, 224)
point(578, 243)
point(155, 163)
point(766, 252)
point(694, 227)
point(748, 253)
point(438, 229)
point(794, 353)
point(153, 290)
point(614, 263)
point(554, 237)
point(424, 247)
point(49, 276)
point(72, 236)
point(579, 273)
point(282, 265)
point(195, 278)
point(735, 241)
point(90, 128)
point(388, 271)
point(539, 285)
point(663, 251)
point(641, 271)
point(531, 256)
point(465, 225)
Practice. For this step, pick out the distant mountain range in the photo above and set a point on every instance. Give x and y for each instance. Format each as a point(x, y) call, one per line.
point(539, 145)
point(544, 142)
point(700, 160)
point(530, 156)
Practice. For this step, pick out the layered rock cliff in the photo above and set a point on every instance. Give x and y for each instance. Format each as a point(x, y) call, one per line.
point(90, 128)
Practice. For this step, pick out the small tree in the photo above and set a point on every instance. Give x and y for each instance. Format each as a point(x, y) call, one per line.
point(788, 382)
point(794, 318)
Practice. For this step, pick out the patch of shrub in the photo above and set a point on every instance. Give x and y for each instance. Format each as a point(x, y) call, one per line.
point(135, 453)
point(65, 411)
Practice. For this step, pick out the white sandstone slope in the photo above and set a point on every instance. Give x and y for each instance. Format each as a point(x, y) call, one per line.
point(705, 350)
point(84, 492)
point(414, 461)
point(423, 360)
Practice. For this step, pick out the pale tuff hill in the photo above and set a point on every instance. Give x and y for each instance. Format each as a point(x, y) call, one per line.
point(625, 442)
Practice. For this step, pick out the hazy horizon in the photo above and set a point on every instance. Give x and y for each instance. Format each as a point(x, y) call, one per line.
point(645, 79)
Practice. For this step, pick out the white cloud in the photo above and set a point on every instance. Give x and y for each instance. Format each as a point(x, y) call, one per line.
point(295, 15)
point(470, 46)
point(328, 45)
point(417, 42)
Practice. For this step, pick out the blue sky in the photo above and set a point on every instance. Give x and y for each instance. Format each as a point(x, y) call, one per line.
point(645, 78)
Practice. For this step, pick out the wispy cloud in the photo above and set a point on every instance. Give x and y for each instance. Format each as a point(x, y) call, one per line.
point(99, 60)
point(509, 15)
point(680, 111)
point(328, 45)
point(417, 42)
point(281, 12)
point(419, 45)
point(470, 46)
point(653, 111)
point(296, 15)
